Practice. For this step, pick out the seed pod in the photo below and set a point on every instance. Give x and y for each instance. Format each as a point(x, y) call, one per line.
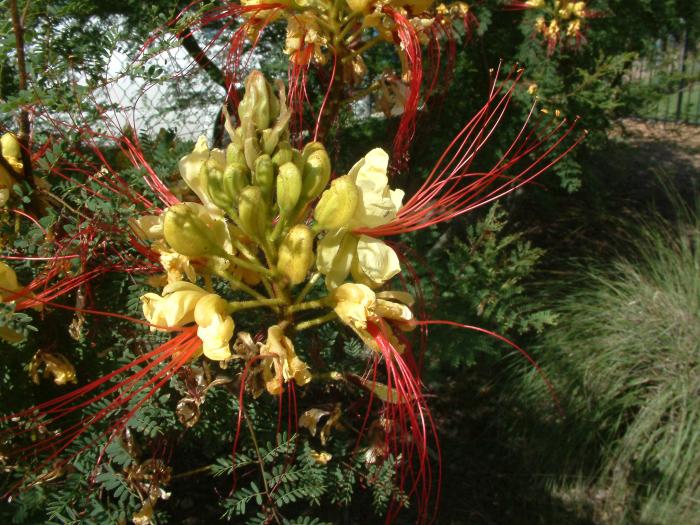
point(296, 254)
point(189, 235)
point(337, 204)
point(264, 176)
point(252, 212)
point(317, 173)
point(288, 188)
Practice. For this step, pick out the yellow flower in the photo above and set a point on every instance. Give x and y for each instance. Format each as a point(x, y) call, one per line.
point(183, 303)
point(284, 365)
point(356, 304)
point(573, 28)
point(148, 227)
point(8, 281)
point(341, 251)
point(215, 326)
point(176, 266)
point(305, 41)
point(175, 307)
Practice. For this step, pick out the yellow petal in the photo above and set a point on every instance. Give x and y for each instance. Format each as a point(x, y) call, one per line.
point(287, 365)
point(148, 227)
point(378, 204)
point(334, 256)
point(377, 260)
point(215, 326)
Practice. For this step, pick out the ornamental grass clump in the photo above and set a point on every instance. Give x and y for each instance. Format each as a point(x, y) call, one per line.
point(625, 353)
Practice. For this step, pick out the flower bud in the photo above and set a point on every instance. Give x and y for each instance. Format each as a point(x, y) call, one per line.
point(288, 188)
point(264, 176)
point(8, 281)
point(10, 146)
point(252, 212)
point(317, 173)
point(255, 106)
point(234, 153)
point(213, 177)
point(270, 138)
point(283, 155)
point(251, 151)
point(337, 204)
point(188, 234)
point(298, 159)
point(296, 253)
point(359, 6)
point(236, 177)
point(310, 148)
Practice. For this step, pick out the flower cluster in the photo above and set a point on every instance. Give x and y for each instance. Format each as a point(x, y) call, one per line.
point(267, 223)
point(558, 21)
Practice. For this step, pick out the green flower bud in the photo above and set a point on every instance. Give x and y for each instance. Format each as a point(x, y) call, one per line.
point(283, 155)
point(255, 105)
point(296, 254)
point(252, 212)
point(251, 151)
point(212, 178)
point(264, 176)
point(270, 138)
point(223, 187)
point(234, 153)
point(337, 204)
point(310, 148)
point(189, 235)
point(298, 159)
point(317, 173)
point(236, 177)
point(288, 188)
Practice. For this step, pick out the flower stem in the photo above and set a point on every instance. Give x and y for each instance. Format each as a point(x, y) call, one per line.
point(307, 288)
point(309, 305)
point(330, 316)
point(235, 306)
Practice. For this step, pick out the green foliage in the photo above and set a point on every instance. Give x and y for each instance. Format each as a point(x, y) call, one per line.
point(487, 272)
point(624, 358)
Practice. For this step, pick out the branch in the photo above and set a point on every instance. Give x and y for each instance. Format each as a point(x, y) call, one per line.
point(200, 57)
point(24, 125)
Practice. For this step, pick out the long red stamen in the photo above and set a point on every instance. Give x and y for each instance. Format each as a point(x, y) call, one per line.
point(451, 190)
